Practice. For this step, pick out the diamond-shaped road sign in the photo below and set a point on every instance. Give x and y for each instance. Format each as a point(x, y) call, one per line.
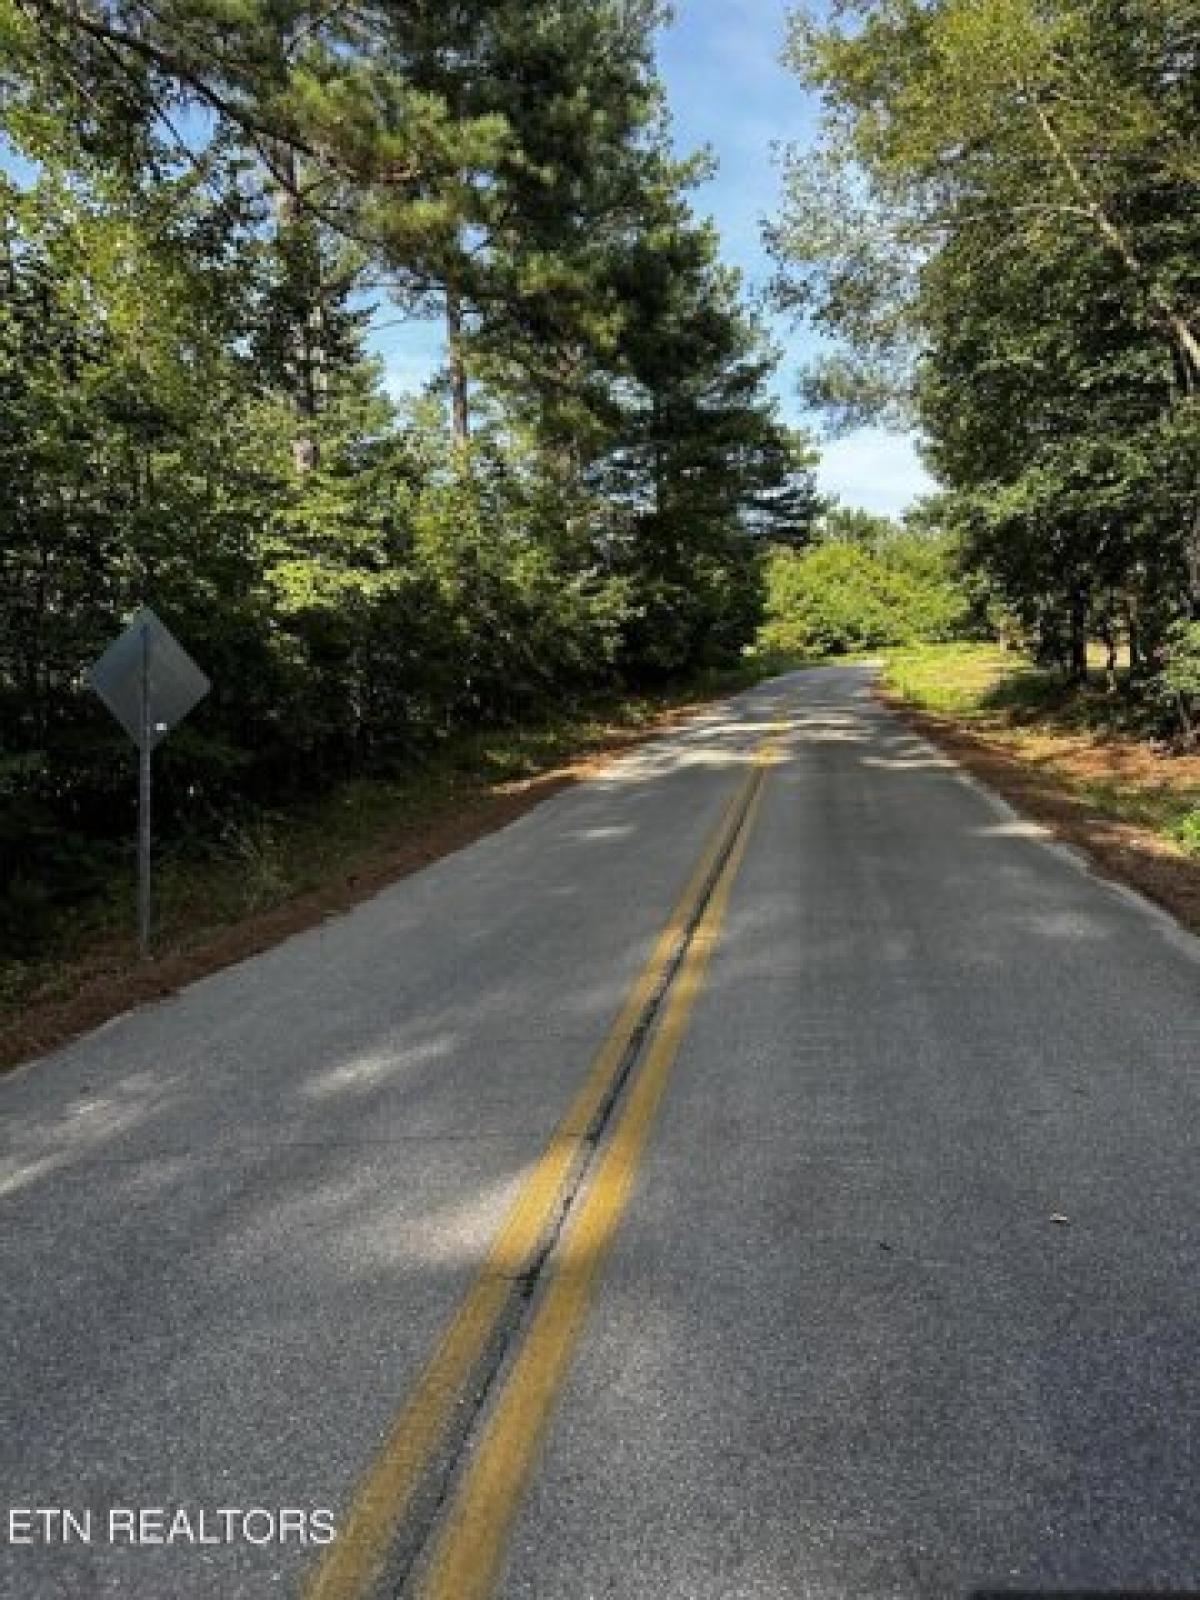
point(148, 659)
point(149, 683)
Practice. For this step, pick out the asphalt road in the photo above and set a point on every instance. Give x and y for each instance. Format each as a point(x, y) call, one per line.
point(879, 1275)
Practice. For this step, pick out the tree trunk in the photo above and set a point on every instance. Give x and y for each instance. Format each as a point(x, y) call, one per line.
point(1181, 333)
point(460, 390)
point(1191, 397)
point(1110, 662)
point(1133, 628)
point(305, 339)
point(1187, 723)
point(1079, 637)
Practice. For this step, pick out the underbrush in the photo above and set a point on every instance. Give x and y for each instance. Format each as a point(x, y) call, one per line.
point(244, 864)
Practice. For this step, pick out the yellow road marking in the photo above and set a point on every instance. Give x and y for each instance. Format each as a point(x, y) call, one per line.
point(351, 1564)
point(467, 1558)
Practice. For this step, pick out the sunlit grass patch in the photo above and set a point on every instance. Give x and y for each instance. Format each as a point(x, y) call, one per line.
point(1089, 741)
point(954, 677)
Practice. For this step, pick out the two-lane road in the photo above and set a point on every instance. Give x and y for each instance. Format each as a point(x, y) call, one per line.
point(766, 1170)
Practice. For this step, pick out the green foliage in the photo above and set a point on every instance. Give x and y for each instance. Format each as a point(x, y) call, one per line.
point(844, 596)
point(1177, 687)
point(217, 194)
point(851, 525)
point(1186, 832)
point(999, 233)
point(829, 601)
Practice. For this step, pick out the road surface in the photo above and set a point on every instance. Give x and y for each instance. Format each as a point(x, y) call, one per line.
point(766, 1170)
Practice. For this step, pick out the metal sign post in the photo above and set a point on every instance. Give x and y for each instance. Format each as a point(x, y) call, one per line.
point(145, 779)
point(149, 683)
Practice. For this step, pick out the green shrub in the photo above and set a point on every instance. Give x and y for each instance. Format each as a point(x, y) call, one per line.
point(1186, 831)
point(1176, 687)
point(839, 598)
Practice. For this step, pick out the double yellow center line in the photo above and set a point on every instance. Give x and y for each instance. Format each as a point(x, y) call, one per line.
point(474, 1534)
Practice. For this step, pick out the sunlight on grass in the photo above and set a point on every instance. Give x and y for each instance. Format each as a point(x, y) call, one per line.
point(1089, 741)
point(951, 677)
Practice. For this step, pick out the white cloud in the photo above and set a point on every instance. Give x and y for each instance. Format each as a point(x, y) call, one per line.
point(875, 470)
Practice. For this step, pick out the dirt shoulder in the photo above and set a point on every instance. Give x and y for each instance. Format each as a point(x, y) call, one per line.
point(103, 984)
point(1043, 776)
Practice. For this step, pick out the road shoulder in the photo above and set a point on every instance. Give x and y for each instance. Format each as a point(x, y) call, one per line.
point(1121, 852)
point(97, 988)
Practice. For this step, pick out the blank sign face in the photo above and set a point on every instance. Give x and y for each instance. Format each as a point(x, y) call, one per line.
point(148, 654)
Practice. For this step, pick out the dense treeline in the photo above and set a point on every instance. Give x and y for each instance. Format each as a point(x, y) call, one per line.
point(207, 201)
point(1001, 231)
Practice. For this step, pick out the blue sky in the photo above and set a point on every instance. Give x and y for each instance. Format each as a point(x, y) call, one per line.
point(727, 91)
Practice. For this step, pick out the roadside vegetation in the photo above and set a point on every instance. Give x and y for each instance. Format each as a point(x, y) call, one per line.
point(864, 582)
point(269, 873)
point(1092, 749)
point(202, 210)
point(997, 233)
point(407, 596)
point(1092, 742)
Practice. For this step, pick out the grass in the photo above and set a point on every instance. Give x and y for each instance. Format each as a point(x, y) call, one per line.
point(1094, 743)
point(350, 839)
point(951, 679)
